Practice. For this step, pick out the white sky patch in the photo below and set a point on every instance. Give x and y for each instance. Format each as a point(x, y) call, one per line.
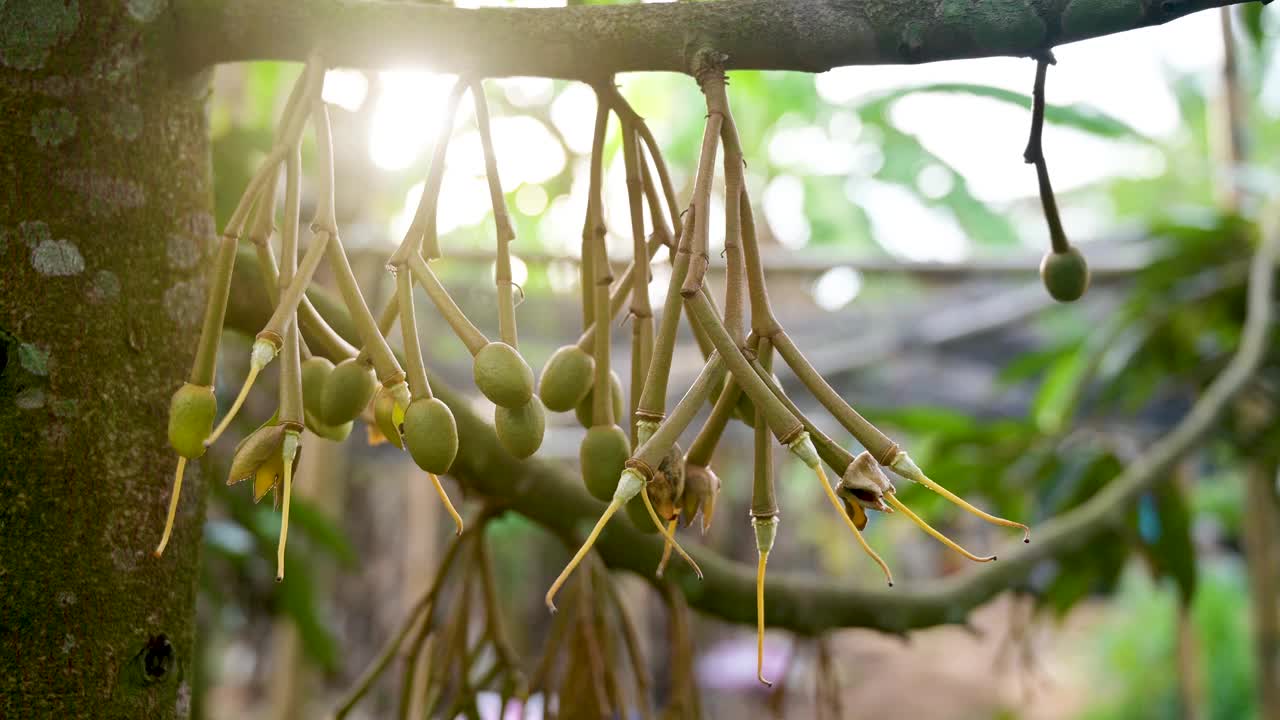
point(406, 117)
point(574, 115)
point(836, 288)
point(531, 200)
point(784, 209)
point(525, 91)
point(907, 228)
point(345, 88)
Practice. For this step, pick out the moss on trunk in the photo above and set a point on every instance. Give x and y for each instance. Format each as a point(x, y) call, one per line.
point(104, 221)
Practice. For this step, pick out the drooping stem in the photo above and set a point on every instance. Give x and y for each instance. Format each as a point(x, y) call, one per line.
point(602, 397)
point(868, 435)
point(501, 221)
point(291, 292)
point(466, 331)
point(764, 502)
point(655, 448)
point(422, 608)
point(215, 311)
point(708, 437)
point(415, 368)
point(384, 361)
point(422, 234)
point(631, 641)
point(1035, 154)
point(653, 399)
point(618, 294)
point(735, 294)
point(642, 331)
point(702, 189)
point(628, 114)
point(591, 227)
point(784, 425)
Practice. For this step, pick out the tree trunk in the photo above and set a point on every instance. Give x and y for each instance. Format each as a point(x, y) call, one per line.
point(104, 224)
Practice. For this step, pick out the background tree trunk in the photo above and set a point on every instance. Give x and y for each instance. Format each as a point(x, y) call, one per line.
point(104, 224)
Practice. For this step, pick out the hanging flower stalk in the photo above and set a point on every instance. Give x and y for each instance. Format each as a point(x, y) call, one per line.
point(193, 407)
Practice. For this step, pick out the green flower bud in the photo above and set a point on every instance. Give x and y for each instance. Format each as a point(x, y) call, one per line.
point(603, 453)
point(347, 392)
point(502, 375)
point(191, 413)
point(566, 378)
point(315, 373)
point(520, 431)
point(1065, 275)
point(431, 435)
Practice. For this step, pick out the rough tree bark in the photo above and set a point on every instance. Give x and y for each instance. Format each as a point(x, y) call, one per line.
point(104, 219)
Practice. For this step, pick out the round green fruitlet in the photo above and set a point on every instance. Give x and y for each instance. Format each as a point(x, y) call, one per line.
point(192, 410)
point(387, 417)
point(602, 455)
point(431, 435)
point(566, 378)
point(584, 412)
point(520, 431)
point(315, 373)
point(1065, 275)
point(336, 433)
point(502, 375)
point(347, 392)
point(639, 516)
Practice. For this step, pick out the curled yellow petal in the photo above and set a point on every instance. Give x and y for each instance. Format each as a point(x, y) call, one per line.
point(582, 552)
point(448, 505)
point(904, 466)
point(894, 501)
point(173, 506)
point(760, 566)
point(653, 515)
point(835, 503)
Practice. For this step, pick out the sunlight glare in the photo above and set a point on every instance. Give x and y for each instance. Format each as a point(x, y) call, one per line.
point(406, 116)
point(345, 88)
point(784, 209)
point(837, 287)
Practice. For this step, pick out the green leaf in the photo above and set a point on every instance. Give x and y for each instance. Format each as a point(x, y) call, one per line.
point(1081, 117)
point(1163, 524)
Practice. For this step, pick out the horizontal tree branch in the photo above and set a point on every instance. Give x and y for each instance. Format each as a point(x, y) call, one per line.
point(556, 500)
point(593, 42)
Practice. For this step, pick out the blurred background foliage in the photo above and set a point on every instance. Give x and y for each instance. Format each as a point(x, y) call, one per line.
point(902, 232)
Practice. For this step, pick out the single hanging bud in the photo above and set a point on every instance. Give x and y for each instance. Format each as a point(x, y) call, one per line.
point(863, 487)
point(701, 486)
point(347, 391)
point(192, 410)
point(431, 435)
point(261, 456)
point(566, 378)
point(584, 411)
point(315, 373)
point(603, 453)
point(1065, 275)
point(520, 430)
point(502, 375)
